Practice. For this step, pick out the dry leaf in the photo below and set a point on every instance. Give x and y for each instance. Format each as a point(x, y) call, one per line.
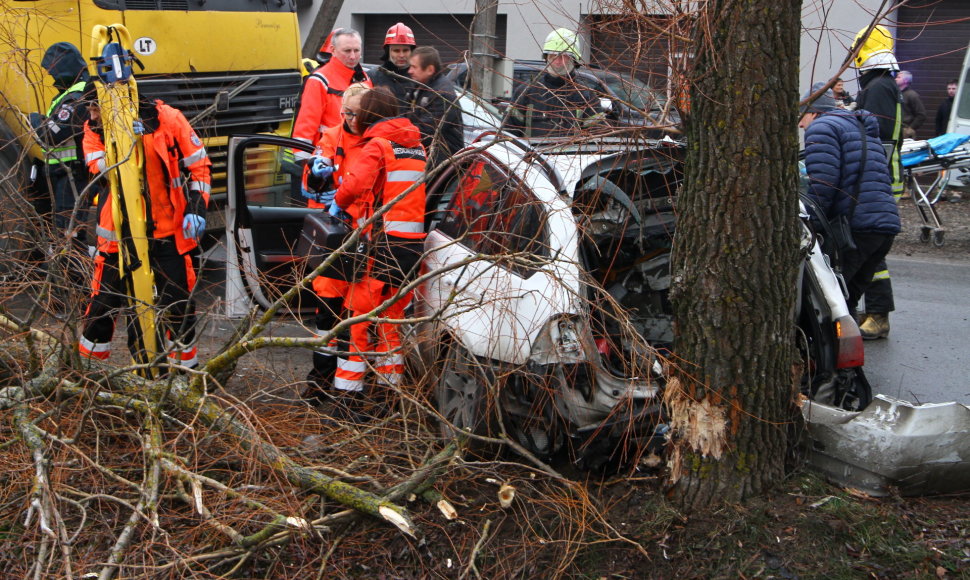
point(298, 523)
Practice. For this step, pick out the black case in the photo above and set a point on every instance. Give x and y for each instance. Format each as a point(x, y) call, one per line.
point(321, 235)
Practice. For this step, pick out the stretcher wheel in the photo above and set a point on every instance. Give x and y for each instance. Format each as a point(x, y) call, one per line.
point(924, 234)
point(938, 240)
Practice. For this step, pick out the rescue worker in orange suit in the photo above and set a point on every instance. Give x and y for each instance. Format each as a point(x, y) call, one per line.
point(176, 219)
point(389, 164)
point(320, 100)
point(393, 73)
point(333, 153)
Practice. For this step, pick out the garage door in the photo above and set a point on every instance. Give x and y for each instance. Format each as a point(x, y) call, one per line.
point(932, 41)
point(632, 47)
point(449, 33)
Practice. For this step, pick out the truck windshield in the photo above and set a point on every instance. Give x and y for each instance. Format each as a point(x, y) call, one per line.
point(200, 5)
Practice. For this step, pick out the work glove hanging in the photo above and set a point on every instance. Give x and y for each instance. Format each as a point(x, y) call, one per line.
point(193, 226)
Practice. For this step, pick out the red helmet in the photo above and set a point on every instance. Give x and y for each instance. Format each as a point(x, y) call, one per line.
point(399, 34)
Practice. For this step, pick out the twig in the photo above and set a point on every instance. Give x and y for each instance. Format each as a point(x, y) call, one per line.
point(471, 567)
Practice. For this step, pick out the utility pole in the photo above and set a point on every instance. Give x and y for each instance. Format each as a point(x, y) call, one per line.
point(483, 53)
point(321, 27)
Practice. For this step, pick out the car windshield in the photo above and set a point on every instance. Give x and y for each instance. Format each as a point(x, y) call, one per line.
point(634, 92)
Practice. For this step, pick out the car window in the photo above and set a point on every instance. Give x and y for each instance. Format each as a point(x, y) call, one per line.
point(635, 92)
point(271, 178)
point(493, 214)
point(473, 198)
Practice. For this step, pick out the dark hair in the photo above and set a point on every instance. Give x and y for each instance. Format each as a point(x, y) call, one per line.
point(428, 56)
point(375, 104)
point(954, 82)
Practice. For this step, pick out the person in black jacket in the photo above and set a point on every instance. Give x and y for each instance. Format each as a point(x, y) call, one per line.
point(555, 104)
point(946, 107)
point(848, 175)
point(433, 107)
point(399, 43)
point(61, 129)
point(881, 96)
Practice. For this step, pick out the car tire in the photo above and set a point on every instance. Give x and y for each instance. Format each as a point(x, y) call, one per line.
point(465, 398)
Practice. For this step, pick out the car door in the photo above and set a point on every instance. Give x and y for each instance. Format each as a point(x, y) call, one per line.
point(264, 218)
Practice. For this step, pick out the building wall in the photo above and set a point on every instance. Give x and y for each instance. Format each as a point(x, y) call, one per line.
point(829, 29)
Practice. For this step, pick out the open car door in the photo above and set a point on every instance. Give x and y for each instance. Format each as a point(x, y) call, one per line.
point(264, 218)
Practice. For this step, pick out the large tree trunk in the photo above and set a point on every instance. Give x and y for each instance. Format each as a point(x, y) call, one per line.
point(735, 259)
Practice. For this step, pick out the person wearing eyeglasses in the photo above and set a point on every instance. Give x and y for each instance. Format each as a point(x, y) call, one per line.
point(334, 152)
point(386, 173)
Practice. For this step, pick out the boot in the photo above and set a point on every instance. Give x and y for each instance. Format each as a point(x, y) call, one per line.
point(876, 326)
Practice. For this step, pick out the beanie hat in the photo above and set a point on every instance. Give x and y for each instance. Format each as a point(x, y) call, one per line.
point(823, 104)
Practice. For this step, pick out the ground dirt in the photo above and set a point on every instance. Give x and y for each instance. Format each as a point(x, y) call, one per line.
point(624, 526)
point(589, 525)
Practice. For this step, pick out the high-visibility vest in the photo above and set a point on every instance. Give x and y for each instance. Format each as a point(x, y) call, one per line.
point(67, 152)
point(403, 167)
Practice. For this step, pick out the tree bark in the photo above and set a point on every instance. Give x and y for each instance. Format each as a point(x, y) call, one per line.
point(736, 254)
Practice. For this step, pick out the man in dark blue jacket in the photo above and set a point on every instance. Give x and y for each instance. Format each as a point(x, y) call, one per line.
point(840, 171)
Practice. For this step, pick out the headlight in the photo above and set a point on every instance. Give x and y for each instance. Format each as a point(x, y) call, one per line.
point(561, 341)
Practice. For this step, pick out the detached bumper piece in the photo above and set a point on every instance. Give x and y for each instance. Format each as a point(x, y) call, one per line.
point(916, 449)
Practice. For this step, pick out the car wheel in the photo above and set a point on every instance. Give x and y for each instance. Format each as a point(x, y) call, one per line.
point(464, 395)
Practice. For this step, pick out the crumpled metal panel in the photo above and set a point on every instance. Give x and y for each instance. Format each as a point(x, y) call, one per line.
point(917, 449)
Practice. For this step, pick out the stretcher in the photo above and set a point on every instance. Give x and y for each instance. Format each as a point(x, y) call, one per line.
point(940, 156)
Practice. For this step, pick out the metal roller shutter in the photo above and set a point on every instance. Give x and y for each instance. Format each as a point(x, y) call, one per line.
point(931, 43)
point(619, 45)
point(446, 32)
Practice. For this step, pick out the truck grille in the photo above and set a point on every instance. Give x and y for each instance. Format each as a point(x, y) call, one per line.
point(268, 99)
point(260, 107)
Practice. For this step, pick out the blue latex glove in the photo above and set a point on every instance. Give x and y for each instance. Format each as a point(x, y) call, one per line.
point(139, 128)
point(326, 197)
point(321, 167)
point(323, 197)
point(193, 226)
point(335, 211)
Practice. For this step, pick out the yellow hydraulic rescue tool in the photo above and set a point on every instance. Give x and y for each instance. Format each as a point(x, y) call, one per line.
point(118, 100)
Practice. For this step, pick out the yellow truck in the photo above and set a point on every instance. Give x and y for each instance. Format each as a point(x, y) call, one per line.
point(231, 66)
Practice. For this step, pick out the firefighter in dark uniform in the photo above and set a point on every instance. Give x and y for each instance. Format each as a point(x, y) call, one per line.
point(555, 104)
point(60, 131)
point(880, 96)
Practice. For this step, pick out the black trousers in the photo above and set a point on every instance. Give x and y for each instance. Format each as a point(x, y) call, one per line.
point(175, 277)
point(859, 266)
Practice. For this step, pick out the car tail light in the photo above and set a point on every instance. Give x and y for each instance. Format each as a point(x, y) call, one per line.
point(851, 351)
